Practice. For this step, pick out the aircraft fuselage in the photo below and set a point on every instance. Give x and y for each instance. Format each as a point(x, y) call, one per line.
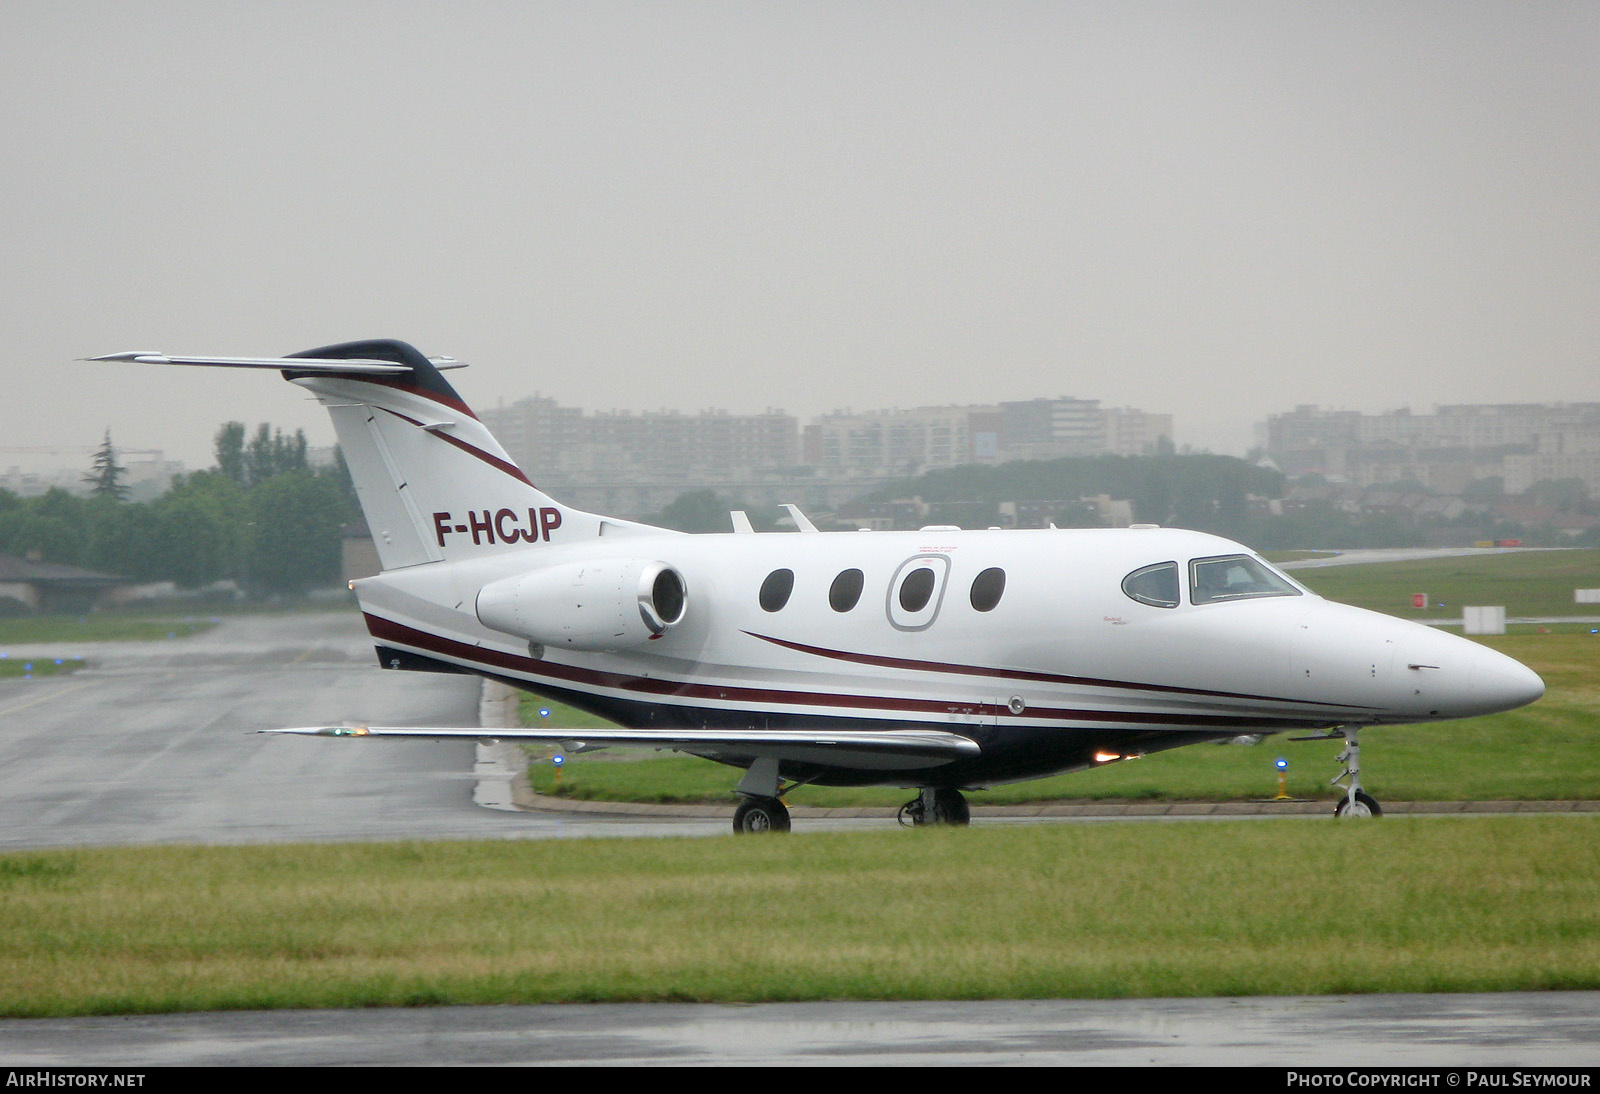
point(1063, 669)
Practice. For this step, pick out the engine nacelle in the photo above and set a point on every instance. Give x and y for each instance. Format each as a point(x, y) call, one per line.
point(609, 604)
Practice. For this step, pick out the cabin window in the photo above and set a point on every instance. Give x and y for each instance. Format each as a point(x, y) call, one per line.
point(987, 588)
point(775, 590)
point(916, 589)
point(845, 591)
point(1235, 577)
point(1154, 585)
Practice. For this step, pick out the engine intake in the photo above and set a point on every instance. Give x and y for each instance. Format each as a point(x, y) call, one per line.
point(609, 604)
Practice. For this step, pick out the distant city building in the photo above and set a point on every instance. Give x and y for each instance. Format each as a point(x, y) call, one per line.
point(1051, 428)
point(902, 443)
point(636, 463)
point(1131, 432)
point(1521, 443)
point(899, 443)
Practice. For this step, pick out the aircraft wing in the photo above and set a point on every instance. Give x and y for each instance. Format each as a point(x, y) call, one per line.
point(934, 746)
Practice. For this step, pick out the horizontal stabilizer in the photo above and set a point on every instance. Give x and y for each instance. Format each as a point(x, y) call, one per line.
point(292, 364)
point(927, 743)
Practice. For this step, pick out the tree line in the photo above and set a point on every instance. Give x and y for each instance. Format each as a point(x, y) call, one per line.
point(262, 517)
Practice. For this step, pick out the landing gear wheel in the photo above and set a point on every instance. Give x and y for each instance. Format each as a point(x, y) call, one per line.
point(936, 806)
point(1365, 806)
point(760, 815)
point(950, 807)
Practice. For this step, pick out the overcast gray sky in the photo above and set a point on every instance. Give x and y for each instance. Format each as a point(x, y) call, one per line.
point(1216, 210)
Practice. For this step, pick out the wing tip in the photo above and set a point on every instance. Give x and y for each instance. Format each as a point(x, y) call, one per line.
point(322, 731)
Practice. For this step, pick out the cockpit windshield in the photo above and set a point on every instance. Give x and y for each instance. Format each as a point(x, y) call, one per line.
point(1234, 577)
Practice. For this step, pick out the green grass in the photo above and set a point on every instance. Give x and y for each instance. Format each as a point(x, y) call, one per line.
point(25, 667)
point(1058, 911)
point(1550, 750)
point(98, 627)
point(1526, 583)
point(156, 620)
point(533, 711)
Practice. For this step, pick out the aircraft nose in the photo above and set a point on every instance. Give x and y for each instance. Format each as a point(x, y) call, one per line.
point(1499, 683)
point(1448, 676)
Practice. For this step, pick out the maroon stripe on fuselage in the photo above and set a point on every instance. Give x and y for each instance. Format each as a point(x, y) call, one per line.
point(391, 631)
point(912, 665)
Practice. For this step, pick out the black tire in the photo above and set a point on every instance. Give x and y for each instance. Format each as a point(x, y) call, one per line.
point(1364, 801)
point(950, 807)
point(757, 815)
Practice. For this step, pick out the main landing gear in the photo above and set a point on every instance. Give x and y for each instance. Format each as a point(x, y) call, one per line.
point(936, 805)
point(760, 809)
point(761, 815)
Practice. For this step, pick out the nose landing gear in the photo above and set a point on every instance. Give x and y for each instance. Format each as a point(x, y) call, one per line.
point(1356, 802)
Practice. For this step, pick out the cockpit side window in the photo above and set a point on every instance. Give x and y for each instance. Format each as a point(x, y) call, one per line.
point(1234, 577)
point(1154, 585)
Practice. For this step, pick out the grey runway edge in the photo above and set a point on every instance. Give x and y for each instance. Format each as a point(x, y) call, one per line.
point(1545, 1030)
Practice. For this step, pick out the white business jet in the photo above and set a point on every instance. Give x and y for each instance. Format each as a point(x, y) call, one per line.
point(940, 660)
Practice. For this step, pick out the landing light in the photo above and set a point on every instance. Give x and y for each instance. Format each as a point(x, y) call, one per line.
point(1106, 757)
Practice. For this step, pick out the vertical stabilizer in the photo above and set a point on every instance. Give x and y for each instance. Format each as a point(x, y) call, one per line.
point(434, 484)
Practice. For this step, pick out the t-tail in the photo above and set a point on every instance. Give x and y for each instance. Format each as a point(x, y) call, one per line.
point(433, 482)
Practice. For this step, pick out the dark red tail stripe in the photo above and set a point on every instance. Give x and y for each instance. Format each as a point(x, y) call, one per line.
point(493, 461)
point(412, 389)
point(1025, 674)
point(391, 631)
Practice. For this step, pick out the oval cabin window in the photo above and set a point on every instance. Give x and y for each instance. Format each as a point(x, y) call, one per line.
point(987, 589)
point(775, 590)
point(845, 591)
point(916, 589)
